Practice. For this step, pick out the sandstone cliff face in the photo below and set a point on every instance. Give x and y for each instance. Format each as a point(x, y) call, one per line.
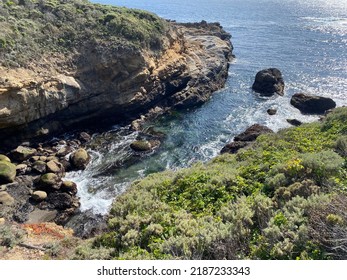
point(103, 83)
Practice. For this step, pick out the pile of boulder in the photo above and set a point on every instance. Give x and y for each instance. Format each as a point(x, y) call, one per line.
point(32, 184)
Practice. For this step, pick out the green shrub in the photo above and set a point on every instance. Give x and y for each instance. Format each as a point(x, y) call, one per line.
point(38, 28)
point(341, 146)
point(323, 165)
point(10, 235)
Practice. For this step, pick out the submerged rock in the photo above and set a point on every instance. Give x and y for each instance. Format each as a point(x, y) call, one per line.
point(312, 104)
point(141, 146)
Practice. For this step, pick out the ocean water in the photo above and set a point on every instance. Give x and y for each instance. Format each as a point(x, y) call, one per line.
point(306, 40)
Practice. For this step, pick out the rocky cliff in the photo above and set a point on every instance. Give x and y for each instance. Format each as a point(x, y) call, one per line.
point(100, 82)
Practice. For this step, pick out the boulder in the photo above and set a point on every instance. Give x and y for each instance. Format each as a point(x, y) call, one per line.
point(60, 201)
point(39, 195)
point(4, 158)
point(22, 153)
point(251, 133)
point(54, 166)
point(268, 82)
point(141, 146)
point(6, 199)
point(80, 159)
point(233, 147)
point(49, 182)
point(2, 221)
point(7, 172)
point(69, 187)
point(39, 166)
point(84, 137)
point(271, 111)
point(294, 122)
point(63, 151)
point(312, 104)
point(21, 169)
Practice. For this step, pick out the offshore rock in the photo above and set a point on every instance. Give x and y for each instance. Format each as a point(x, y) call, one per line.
point(312, 104)
point(268, 82)
point(102, 83)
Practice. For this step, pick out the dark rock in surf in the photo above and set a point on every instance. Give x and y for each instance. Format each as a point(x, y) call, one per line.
point(294, 122)
point(252, 133)
point(312, 104)
point(141, 146)
point(80, 159)
point(271, 111)
point(233, 147)
point(245, 138)
point(268, 82)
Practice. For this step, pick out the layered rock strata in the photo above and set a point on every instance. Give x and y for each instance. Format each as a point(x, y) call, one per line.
point(102, 84)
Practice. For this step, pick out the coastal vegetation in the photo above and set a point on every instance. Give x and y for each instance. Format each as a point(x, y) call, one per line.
point(31, 28)
point(281, 197)
point(284, 197)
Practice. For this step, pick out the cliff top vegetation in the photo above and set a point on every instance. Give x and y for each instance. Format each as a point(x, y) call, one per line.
point(31, 28)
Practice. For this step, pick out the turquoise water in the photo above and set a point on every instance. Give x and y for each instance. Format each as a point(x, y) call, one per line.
point(306, 40)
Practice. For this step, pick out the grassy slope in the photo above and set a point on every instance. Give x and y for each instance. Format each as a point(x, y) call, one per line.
point(31, 28)
point(283, 198)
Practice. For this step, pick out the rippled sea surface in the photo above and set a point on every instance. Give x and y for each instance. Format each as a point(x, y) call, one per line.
point(306, 40)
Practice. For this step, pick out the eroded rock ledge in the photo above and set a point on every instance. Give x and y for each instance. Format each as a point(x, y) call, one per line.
point(103, 84)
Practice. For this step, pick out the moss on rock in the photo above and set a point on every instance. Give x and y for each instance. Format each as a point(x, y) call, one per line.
point(80, 158)
point(7, 172)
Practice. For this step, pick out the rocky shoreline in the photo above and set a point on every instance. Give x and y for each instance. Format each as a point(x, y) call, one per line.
point(33, 188)
point(108, 87)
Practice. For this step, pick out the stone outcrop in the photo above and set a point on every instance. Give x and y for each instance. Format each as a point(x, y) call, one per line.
point(245, 138)
point(312, 104)
point(294, 122)
point(252, 133)
point(268, 82)
point(105, 84)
